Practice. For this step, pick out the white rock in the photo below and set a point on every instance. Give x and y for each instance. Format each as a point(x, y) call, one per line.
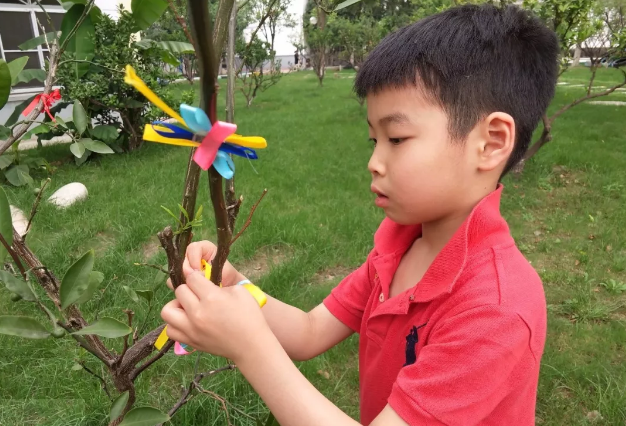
point(20, 222)
point(68, 194)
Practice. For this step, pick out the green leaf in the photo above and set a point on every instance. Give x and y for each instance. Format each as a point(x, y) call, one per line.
point(118, 406)
point(146, 294)
point(5, 83)
point(144, 416)
point(105, 133)
point(6, 161)
point(5, 132)
point(34, 42)
point(6, 221)
point(77, 366)
point(18, 108)
point(175, 47)
point(346, 4)
point(145, 43)
point(82, 44)
point(131, 293)
point(76, 280)
point(26, 76)
point(80, 117)
point(169, 58)
point(42, 128)
point(22, 327)
point(97, 146)
point(17, 285)
point(15, 67)
point(61, 122)
point(184, 212)
point(19, 175)
point(147, 12)
point(106, 327)
point(95, 279)
point(80, 161)
point(78, 149)
point(67, 4)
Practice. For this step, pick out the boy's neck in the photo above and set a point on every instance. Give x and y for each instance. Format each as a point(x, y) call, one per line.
point(437, 233)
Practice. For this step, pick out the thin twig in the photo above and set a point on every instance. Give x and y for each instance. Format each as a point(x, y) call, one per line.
point(181, 22)
point(15, 257)
point(130, 314)
point(152, 360)
point(245, 225)
point(214, 395)
point(145, 321)
point(88, 370)
point(157, 267)
point(188, 392)
point(217, 398)
point(33, 210)
point(83, 344)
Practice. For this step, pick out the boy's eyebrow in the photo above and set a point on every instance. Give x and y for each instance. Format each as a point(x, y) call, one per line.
point(396, 117)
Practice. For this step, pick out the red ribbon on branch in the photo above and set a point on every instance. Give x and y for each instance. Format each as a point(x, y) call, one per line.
point(48, 100)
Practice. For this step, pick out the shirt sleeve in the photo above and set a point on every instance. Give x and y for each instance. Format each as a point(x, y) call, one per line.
point(348, 300)
point(466, 368)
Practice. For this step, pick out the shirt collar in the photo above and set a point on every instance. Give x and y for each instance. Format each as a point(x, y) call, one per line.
point(483, 227)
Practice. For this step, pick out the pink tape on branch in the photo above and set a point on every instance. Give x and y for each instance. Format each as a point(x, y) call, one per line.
point(179, 350)
point(207, 151)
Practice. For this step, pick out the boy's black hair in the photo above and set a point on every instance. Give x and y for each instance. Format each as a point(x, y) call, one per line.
point(472, 60)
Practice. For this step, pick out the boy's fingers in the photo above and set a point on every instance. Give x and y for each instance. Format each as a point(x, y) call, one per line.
point(200, 286)
point(187, 298)
point(177, 334)
point(198, 251)
point(174, 315)
point(187, 269)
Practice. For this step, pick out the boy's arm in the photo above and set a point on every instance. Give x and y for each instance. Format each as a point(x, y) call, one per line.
point(290, 396)
point(304, 335)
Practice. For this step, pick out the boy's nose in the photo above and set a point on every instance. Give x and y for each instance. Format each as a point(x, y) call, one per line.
point(376, 165)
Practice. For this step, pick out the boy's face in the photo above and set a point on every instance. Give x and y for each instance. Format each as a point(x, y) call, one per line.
point(418, 172)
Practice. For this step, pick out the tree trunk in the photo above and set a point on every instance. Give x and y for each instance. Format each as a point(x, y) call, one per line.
point(230, 99)
point(321, 56)
point(577, 54)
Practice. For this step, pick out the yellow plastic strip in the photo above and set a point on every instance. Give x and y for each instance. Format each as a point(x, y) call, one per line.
point(162, 339)
point(150, 135)
point(256, 292)
point(133, 79)
point(247, 141)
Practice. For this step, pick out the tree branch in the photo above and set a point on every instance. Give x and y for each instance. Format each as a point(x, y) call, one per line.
point(245, 225)
point(589, 96)
point(102, 381)
point(188, 392)
point(33, 210)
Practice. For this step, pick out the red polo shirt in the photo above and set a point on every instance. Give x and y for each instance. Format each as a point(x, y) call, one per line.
point(461, 347)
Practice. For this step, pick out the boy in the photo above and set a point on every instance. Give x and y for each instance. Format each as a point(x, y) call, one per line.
point(452, 318)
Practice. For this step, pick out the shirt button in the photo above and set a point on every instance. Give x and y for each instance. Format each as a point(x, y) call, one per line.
point(411, 298)
point(375, 276)
point(381, 297)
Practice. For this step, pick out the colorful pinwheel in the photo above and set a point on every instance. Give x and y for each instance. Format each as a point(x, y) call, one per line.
point(217, 139)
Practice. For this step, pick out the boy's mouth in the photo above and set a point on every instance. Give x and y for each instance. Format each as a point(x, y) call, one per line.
point(381, 199)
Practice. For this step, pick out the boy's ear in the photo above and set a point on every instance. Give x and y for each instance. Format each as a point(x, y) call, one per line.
point(496, 142)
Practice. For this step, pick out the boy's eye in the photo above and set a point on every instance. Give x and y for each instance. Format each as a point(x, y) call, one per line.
point(396, 141)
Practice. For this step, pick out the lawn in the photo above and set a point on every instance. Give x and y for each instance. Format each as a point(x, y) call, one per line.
point(316, 224)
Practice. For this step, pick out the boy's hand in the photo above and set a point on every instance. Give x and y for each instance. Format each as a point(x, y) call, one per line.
point(206, 250)
point(221, 321)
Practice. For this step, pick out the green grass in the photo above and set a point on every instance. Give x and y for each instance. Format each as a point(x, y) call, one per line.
point(315, 224)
